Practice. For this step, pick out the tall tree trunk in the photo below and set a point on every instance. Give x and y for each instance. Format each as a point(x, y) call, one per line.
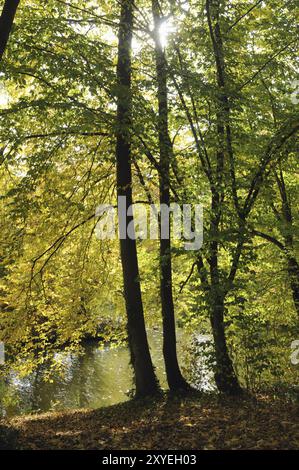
point(145, 379)
point(6, 22)
point(225, 376)
point(293, 271)
point(287, 231)
point(174, 376)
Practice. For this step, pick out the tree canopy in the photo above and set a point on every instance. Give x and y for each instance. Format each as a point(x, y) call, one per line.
point(197, 99)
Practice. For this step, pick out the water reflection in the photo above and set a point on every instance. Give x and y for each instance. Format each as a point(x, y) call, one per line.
point(95, 379)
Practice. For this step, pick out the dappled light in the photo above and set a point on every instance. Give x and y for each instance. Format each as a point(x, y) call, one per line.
point(149, 270)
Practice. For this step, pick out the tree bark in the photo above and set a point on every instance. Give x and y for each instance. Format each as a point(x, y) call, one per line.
point(293, 272)
point(287, 231)
point(225, 376)
point(174, 376)
point(145, 379)
point(6, 22)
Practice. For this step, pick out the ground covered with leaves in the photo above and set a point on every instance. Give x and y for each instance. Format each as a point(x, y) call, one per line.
point(168, 423)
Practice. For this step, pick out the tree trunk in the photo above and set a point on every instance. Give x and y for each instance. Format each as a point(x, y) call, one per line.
point(6, 22)
point(293, 271)
point(225, 376)
point(174, 376)
point(145, 379)
point(287, 231)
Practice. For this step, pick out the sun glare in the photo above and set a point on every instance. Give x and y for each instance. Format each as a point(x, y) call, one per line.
point(166, 28)
point(4, 97)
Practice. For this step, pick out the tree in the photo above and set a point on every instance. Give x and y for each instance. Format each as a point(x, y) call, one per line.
point(145, 380)
point(231, 198)
point(206, 116)
point(174, 375)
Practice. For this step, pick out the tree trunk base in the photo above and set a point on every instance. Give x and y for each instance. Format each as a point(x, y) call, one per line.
point(228, 385)
point(150, 392)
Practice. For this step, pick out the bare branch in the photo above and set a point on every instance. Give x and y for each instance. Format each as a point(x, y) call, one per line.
point(269, 238)
point(267, 63)
point(244, 15)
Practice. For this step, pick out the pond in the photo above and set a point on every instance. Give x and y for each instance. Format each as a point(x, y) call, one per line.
point(97, 378)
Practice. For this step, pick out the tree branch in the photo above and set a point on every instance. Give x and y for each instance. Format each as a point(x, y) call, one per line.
point(269, 238)
point(266, 64)
point(244, 15)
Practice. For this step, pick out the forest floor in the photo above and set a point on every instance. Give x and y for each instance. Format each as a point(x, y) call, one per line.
point(169, 423)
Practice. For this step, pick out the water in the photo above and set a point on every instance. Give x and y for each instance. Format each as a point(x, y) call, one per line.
point(98, 378)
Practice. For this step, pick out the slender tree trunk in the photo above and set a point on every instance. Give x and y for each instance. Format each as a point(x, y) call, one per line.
point(6, 22)
point(225, 376)
point(287, 231)
point(174, 376)
point(293, 271)
point(145, 379)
